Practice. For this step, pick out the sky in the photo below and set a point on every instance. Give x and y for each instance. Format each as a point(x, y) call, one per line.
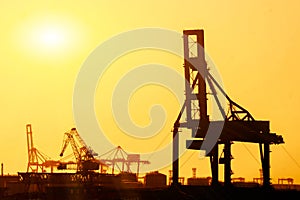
point(254, 45)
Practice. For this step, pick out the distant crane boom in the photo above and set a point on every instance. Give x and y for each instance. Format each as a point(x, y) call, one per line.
point(69, 139)
point(84, 155)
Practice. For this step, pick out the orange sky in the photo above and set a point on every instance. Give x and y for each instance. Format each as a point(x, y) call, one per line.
point(254, 44)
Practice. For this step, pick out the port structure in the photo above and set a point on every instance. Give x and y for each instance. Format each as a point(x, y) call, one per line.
point(37, 161)
point(118, 158)
point(238, 124)
point(84, 155)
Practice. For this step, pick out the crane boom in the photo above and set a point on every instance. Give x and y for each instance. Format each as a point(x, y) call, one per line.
point(83, 154)
point(69, 139)
point(87, 150)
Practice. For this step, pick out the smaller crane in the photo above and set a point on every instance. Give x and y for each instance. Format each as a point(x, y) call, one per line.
point(84, 155)
point(119, 158)
point(37, 161)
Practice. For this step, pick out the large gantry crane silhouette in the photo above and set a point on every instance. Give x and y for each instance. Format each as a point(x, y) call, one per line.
point(238, 124)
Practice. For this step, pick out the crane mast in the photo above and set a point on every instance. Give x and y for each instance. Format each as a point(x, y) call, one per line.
point(33, 157)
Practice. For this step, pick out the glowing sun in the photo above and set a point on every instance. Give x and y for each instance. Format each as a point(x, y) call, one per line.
point(49, 36)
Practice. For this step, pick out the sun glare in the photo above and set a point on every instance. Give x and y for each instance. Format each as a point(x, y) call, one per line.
point(49, 36)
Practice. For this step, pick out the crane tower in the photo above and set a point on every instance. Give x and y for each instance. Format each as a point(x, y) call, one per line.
point(238, 124)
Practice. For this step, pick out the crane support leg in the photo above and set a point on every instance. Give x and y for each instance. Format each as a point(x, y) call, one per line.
point(175, 155)
point(227, 164)
point(266, 165)
point(214, 162)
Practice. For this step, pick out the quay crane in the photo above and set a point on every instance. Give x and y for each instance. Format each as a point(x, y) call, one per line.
point(37, 161)
point(236, 125)
point(118, 158)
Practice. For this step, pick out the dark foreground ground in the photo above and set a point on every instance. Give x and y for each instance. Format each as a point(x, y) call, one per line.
point(169, 193)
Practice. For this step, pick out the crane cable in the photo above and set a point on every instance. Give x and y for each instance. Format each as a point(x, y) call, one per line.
point(187, 159)
point(295, 161)
point(157, 147)
point(252, 155)
point(285, 150)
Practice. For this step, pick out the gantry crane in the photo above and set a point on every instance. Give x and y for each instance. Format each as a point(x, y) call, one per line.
point(37, 161)
point(118, 158)
point(237, 125)
point(84, 155)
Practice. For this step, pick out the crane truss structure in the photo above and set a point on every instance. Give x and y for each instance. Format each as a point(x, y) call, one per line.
point(84, 155)
point(37, 161)
point(238, 124)
point(119, 159)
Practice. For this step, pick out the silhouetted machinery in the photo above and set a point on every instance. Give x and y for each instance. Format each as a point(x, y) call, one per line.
point(237, 125)
point(84, 155)
point(37, 161)
point(118, 158)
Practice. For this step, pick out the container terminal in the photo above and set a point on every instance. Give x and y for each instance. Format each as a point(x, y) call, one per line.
point(91, 180)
